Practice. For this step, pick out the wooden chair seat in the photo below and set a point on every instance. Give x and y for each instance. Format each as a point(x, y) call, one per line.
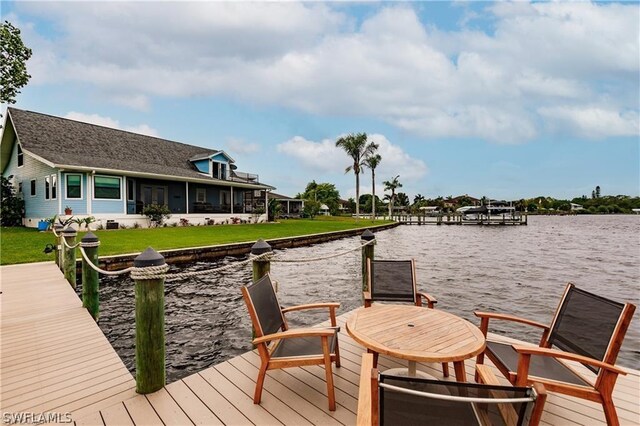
point(540, 366)
point(302, 347)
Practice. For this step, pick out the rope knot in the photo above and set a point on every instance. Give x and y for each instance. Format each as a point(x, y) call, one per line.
point(149, 272)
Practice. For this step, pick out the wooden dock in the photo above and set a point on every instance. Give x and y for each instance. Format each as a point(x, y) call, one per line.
point(458, 219)
point(55, 359)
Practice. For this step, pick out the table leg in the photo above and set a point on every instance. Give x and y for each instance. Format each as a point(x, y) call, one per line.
point(375, 358)
point(412, 369)
point(461, 375)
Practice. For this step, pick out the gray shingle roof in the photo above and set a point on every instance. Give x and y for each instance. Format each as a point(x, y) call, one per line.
point(73, 143)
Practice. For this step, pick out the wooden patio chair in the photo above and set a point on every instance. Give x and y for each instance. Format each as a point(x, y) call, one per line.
point(395, 281)
point(586, 328)
point(393, 400)
point(282, 347)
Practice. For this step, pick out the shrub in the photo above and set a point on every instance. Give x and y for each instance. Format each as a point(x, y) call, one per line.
point(12, 206)
point(311, 208)
point(157, 214)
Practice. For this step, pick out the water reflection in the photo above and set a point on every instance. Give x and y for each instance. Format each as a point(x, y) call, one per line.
point(520, 270)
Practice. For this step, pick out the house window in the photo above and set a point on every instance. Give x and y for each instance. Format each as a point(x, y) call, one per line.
point(218, 170)
point(47, 188)
point(19, 187)
point(33, 187)
point(131, 193)
point(74, 186)
point(20, 156)
point(106, 187)
point(201, 195)
point(54, 187)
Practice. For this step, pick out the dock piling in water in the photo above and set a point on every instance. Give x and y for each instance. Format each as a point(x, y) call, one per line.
point(261, 266)
point(150, 336)
point(367, 253)
point(90, 278)
point(68, 237)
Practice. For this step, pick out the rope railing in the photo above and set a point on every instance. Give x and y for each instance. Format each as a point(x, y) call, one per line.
point(159, 272)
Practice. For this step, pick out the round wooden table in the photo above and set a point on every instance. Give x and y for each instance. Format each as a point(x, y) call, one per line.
point(416, 334)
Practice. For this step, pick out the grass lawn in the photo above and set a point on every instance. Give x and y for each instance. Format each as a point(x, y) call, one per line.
point(22, 245)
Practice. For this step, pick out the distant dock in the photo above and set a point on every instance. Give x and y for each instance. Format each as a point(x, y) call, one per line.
point(460, 219)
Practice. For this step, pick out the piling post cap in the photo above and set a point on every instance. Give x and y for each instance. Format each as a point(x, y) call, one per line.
point(90, 237)
point(58, 226)
point(69, 232)
point(260, 247)
point(367, 235)
point(149, 257)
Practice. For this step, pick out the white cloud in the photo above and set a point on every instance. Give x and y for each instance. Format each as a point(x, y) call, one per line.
point(324, 156)
point(242, 147)
point(502, 85)
point(100, 120)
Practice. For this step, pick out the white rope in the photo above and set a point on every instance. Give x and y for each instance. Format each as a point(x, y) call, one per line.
point(102, 271)
point(149, 272)
point(64, 241)
point(53, 228)
point(316, 259)
point(456, 398)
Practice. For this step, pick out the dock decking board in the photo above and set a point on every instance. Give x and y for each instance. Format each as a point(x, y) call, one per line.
point(55, 358)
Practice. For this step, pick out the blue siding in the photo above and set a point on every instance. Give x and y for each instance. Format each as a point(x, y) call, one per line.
point(37, 207)
point(78, 205)
point(220, 158)
point(202, 165)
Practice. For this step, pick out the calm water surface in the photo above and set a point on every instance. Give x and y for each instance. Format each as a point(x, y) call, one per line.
point(521, 270)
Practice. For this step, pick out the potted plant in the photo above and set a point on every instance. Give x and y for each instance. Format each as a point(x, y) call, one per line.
point(67, 210)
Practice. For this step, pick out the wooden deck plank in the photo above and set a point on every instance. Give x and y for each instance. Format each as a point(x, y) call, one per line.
point(141, 411)
point(197, 411)
point(116, 415)
point(94, 419)
point(168, 409)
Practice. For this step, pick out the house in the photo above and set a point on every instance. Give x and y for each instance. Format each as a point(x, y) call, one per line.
point(112, 174)
point(289, 207)
point(576, 207)
point(461, 199)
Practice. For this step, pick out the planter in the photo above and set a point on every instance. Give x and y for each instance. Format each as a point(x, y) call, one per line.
point(68, 211)
point(43, 225)
point(112, 225)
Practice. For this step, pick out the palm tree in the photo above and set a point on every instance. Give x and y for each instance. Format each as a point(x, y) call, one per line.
point(356, 147)
point(392, 185)
point(372, 161)
point(419, 198)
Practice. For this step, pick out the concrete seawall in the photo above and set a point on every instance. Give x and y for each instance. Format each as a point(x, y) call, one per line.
point(195, 254)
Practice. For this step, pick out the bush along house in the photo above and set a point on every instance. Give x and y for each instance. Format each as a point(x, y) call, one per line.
point(65, 167)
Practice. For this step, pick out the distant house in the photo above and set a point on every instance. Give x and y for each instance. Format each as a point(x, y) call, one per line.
point(289, 207)
point(466, 199)
point(113, 174)
point(576, 207)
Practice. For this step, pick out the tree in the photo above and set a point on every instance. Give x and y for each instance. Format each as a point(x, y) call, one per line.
point(402, 199)
point(13, 69)
point(392, 185)
point(372, 161)
point(324, 193)
point(12, 207)
point(419, 198)
point(311, 208)
point(598, 191)
point(357, 147)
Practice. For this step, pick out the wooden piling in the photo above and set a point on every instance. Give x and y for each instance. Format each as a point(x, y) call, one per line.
point(57, 228)
point(69, 255)
point(90, 278)
point(150, 338)
point(261, 266)
point(367, 253)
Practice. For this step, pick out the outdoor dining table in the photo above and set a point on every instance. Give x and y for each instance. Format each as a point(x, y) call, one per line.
point(416, 334)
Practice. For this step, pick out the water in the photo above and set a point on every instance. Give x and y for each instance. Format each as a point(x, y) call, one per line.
point(520, 270)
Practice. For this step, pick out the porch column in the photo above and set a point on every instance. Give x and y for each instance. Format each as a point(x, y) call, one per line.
point(187, 196)
point(233, 200)
point(266, 201)
point(288, 207)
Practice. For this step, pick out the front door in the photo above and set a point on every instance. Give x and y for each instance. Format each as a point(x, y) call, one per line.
point(154, 194)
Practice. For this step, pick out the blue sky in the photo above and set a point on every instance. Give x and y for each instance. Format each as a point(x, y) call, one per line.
point(507, 100)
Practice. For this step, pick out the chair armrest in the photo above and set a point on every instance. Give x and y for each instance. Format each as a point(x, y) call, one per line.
point(295, 332)
point(486, 375)
point(311, 306)
point(527, 351)
point(429, 298)
point(513, 318)
point(331, 305)
point(365, 404)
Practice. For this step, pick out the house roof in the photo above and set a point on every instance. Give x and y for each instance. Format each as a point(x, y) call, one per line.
point(72, 144)
point(273, 195)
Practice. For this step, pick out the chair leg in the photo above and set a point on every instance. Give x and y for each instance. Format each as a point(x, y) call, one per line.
point(261, 374)
point(479, 360)
point(445, 369)
point(329, 376)
point(375, 357)
point(610, 411)
point(337, 349)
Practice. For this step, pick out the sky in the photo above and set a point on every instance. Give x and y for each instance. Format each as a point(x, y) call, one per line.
point(507, 100)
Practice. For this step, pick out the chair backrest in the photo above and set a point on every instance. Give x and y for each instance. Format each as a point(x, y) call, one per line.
point(411, 400)
point(392, 280)
point(590, 325)
point(263, 306)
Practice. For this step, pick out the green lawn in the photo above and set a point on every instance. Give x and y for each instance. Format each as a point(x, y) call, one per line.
point(22, 245)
